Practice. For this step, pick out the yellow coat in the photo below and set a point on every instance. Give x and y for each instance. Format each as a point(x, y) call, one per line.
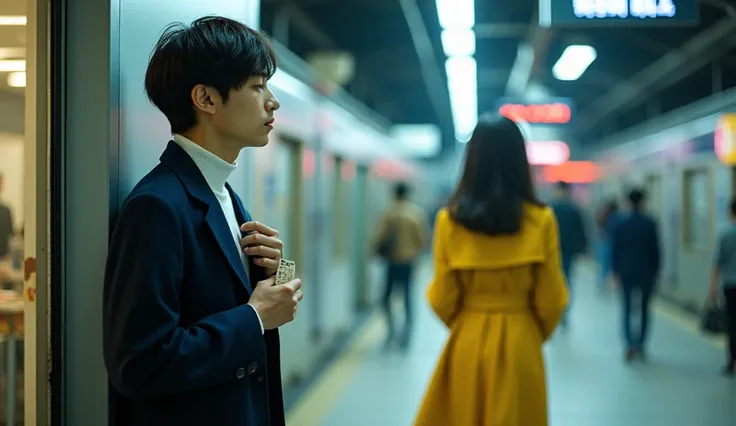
point(501, 298)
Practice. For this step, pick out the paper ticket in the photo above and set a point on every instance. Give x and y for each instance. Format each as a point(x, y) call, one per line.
point(285, 272)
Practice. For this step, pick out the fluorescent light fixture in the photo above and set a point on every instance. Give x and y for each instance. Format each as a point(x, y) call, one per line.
point(417, 140)
point(462, 82)
point(17, 79)
point(462, 71)
point(12, 65)
point(573, 62)
point(456, 14)
point(13, 20)
point(458, 42)
point(12, 52)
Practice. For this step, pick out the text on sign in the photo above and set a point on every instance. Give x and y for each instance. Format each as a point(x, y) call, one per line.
point(643, 9)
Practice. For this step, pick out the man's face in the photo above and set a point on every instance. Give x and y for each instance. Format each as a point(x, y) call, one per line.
point(247, 117)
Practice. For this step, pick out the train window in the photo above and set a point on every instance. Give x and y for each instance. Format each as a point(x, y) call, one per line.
point(654, 194)
point(697, 209)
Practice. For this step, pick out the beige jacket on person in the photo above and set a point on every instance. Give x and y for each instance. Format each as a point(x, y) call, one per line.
point(409, 223)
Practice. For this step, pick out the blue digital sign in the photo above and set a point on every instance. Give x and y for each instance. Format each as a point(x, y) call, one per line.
point(591, 13)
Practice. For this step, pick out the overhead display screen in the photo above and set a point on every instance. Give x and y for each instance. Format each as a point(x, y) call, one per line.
point(592, 13)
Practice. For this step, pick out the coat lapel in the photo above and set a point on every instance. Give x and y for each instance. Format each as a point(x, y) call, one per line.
point(189, 174)
point(256, 272)
point(218, 224)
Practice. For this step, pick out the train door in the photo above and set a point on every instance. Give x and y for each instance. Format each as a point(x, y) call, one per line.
point(653, 186)
point(341, 292)
point(288, 216)
point(656, 205)
point(698, 222)
point(359, 238)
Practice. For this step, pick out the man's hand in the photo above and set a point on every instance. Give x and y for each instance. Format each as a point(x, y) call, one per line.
point(263, 243)
point(276, 304)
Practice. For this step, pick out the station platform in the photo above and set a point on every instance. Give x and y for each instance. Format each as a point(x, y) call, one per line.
point(589, 383)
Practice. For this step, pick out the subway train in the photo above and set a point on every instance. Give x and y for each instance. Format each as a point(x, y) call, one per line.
point(679, 160)
point(322, 181)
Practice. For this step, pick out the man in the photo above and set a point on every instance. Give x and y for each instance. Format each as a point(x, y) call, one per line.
point(6, 235)
point(724, 272)
point(573, 240)
point(190, 319)
point(6, 224)
point(636, 262)
point(402, 234)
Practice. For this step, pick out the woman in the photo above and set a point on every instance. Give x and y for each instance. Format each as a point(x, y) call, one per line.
point(498, 285)
point(606, 220)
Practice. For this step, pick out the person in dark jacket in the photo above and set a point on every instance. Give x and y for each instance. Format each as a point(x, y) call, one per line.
point(190, 309)
point(6, 224)
point(573, 240)
point(636, 263)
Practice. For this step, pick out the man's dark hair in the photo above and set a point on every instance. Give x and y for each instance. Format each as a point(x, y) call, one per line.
point(401, 191)
point(732, 206)
point(213, 51)
point(563, 186)
point(636, 198)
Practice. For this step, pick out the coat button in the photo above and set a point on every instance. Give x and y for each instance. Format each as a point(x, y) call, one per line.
point(261, 379)
point(252, 367)
point(240, 373)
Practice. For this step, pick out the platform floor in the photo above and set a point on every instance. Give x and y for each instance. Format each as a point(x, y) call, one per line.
point(589, 384)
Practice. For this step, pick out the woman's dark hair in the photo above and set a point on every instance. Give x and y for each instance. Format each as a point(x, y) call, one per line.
point(496, 179)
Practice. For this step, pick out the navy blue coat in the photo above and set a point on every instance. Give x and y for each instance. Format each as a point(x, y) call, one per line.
point(181, 346)
point(635, 250)
point(573, 239)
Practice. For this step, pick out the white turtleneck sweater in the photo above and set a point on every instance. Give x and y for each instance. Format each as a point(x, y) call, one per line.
point(216, 171)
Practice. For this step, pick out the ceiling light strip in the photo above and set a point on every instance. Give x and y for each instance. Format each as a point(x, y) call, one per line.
point(457, 19)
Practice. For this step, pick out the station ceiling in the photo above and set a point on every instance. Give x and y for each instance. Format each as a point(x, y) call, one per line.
point(639, 72)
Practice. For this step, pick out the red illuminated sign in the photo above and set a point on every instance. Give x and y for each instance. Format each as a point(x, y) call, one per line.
point(554, 113)
point(572, 172)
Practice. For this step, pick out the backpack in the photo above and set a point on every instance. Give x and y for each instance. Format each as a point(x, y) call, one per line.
point(387, 243)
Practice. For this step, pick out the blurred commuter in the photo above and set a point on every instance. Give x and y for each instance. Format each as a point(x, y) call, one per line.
point(191, 312)
point(6, 237)
point(573, 241)
point(606, 220)
point(401, 239)
point(636, 262)
point(498, 286)
point(11, 267)
point(6, 224)
point(724, 271)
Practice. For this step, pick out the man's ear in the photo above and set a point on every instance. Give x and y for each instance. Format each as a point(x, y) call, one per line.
point(205, 98)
